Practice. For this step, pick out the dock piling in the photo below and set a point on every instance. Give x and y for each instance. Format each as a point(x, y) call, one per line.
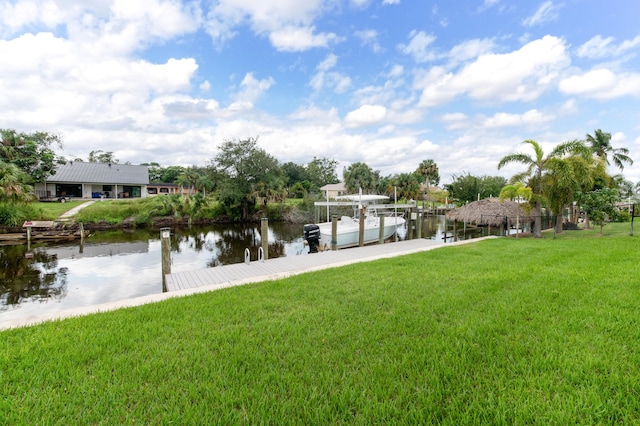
point(265, 237)
point(165, 248)
point(334, 233)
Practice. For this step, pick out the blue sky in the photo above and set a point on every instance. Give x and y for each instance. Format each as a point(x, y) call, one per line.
point(385, 82)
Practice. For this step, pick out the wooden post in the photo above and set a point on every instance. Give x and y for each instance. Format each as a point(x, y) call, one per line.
point(165, 244)
point(334, 233)
point(381, 235)
point(412, 219)
point(361, 229)
point(81, 229)
point(28, 237)
point(419, 224)
point(265, 237)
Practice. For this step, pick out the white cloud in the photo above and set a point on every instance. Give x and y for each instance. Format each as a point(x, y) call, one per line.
point(369, 38)
point(602, 84)
point(521, 75)
point(471, 49)
point(251, 90)
point(287, 23)
point(390, 1)
point(546, 12)
point(323, 78)
point(419, 46)
point(299, 39)
point(455, 120)
point(366, 115)
point(598, 47)
point(63, 82)
point(329, 62)
point(530, 118)
point(396, 71)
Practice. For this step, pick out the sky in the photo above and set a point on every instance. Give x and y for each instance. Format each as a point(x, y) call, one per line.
point(385, 82)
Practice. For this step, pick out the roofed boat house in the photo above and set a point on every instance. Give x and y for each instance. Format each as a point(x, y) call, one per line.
point(78, 179)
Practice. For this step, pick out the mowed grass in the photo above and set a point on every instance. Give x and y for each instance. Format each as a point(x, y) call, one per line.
point(498, 331)
point(53, 210)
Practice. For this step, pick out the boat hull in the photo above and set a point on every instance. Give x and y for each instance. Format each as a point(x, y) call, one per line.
point(348, 231)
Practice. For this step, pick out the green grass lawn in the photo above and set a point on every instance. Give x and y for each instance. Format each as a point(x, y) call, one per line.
point(54, 210)
point(543, 331)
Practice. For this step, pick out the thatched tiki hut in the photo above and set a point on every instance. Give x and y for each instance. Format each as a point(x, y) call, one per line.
point(490, 212)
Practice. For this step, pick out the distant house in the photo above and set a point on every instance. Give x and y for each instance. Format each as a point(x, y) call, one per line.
point(333, 190)
point(78, 179)
point(159, 188)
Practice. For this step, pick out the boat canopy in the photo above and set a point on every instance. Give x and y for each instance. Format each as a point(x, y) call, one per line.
point(365, 198)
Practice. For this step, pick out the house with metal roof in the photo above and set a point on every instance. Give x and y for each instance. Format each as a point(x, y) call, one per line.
point(78, 179)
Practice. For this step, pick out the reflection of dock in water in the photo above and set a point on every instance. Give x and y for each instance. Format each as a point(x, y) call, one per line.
point(76, 251)
point(242, 273)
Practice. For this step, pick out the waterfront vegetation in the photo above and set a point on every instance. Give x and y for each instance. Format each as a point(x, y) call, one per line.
point(140, 211)
point(497, 331)
point(14, 214)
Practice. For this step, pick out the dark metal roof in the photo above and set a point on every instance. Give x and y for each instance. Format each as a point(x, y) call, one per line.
point(83, 172)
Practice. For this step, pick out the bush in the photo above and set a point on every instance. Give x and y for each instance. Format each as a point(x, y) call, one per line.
point(15, 214)
point(570, 226)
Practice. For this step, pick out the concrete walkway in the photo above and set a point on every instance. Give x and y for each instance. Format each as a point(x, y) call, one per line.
point(72, 212)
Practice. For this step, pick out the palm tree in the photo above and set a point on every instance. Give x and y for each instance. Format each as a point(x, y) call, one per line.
point(13, 184)
point(536, 167)
point(600, 144)
point(564, 179)
point(516, 192)
point(429, 170)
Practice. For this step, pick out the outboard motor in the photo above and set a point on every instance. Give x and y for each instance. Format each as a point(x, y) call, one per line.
point(312, 236)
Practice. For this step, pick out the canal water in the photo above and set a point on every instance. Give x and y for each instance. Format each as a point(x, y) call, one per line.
point(117, 265)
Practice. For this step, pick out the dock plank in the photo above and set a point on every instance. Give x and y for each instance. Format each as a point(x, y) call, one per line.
point(226, 275)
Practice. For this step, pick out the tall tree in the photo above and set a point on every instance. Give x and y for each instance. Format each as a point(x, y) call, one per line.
point(99, 156)
point(294, 173)
point(155, 171)
point(564, 178)
point(34, 153)
point(407, 184)
point(359, 175)
point(538, 165)
point(535, 166)
point(246, 171)
point(322, 171)
point(428, 169)
point(600, 143)
point(466, 188)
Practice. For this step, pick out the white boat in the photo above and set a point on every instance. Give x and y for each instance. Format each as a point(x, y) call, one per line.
point(348, 228)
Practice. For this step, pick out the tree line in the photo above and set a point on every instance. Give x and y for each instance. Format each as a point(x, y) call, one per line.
point(245, 177)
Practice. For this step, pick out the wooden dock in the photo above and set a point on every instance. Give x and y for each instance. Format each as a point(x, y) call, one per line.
point(256, 271)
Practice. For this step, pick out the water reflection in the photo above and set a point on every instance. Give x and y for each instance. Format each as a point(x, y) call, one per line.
point(33, 275)
point(119, 265)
